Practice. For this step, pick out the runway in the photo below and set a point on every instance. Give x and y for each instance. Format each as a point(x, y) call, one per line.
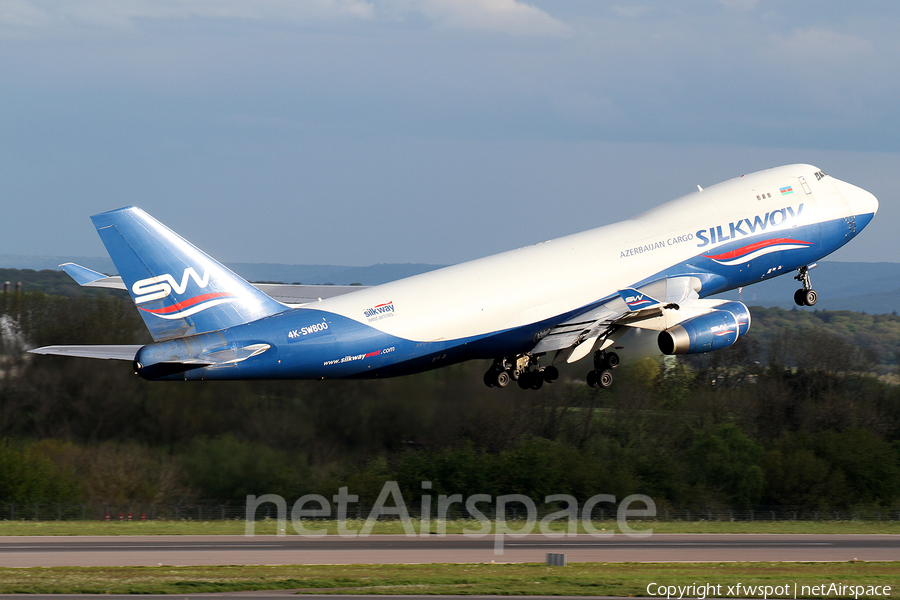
point(29, 551)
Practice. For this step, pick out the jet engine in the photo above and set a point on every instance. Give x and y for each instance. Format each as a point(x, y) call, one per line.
point(719, 328)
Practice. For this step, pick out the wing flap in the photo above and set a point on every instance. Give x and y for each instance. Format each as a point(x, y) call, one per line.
point(629, 306)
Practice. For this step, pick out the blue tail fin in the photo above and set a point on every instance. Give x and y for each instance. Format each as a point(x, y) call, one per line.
point(178, 289)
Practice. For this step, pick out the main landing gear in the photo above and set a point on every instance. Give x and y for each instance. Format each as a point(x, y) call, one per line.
point(601, 375)
point(523, 369)
point(806, 296)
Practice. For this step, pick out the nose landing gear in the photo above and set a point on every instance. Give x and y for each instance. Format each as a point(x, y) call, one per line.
point(806, 296)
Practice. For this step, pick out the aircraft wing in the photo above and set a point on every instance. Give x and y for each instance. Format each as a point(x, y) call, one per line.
point(285, 293)
point(657, 305)
point(304, 294)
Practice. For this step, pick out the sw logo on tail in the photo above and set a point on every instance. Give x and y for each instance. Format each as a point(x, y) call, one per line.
point(160, 286)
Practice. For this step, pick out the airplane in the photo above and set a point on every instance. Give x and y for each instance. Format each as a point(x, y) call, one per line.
point(651, 274)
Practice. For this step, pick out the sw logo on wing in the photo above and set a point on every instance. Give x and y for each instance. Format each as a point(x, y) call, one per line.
point(637, 301)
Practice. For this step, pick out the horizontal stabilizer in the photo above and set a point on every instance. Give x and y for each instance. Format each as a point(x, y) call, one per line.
point(122, 352)
point(87, 277)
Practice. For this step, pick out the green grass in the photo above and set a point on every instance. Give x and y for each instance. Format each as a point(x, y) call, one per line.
point(268, 527)
point(591, 579)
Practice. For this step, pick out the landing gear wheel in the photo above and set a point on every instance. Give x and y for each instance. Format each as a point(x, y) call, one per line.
point(501, 379)
point(605, 361)
point(807, 296)
point(612, 359)
point(810, 297)
point(489, 378)
point(537, 383)
point(605, 379)
point(599, 379)
point(550, 374)
point(525, 381)
point(521, 368)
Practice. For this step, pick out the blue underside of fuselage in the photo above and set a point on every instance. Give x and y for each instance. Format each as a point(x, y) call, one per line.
point(307, 343)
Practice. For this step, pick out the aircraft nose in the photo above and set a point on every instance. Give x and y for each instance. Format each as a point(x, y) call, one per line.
point(860, 201)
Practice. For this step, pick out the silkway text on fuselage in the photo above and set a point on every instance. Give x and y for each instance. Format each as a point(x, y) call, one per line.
point(715, 235)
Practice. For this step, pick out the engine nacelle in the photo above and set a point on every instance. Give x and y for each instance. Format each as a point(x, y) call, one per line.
point(716, 329)
point(740, 312)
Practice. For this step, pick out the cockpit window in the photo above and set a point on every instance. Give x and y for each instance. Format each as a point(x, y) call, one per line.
point(820, 175)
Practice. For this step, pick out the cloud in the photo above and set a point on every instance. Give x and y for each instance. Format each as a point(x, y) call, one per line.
point(119, 14)
point(833, 75)
point(823, 47)
point(629, 12)
point(739, 4)
point(16, 13)
point(587, 109)
point(505, 16)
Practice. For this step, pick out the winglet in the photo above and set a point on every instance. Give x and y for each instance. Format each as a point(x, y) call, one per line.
point(636, 300)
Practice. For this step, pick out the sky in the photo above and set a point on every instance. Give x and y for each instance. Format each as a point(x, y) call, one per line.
point(356, 132)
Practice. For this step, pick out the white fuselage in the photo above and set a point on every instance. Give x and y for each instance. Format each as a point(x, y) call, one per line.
point(550, 278)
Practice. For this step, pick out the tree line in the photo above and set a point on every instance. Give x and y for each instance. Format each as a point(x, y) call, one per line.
point(803, 411)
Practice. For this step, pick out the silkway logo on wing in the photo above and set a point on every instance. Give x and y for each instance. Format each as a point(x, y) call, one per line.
point(161, 286)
